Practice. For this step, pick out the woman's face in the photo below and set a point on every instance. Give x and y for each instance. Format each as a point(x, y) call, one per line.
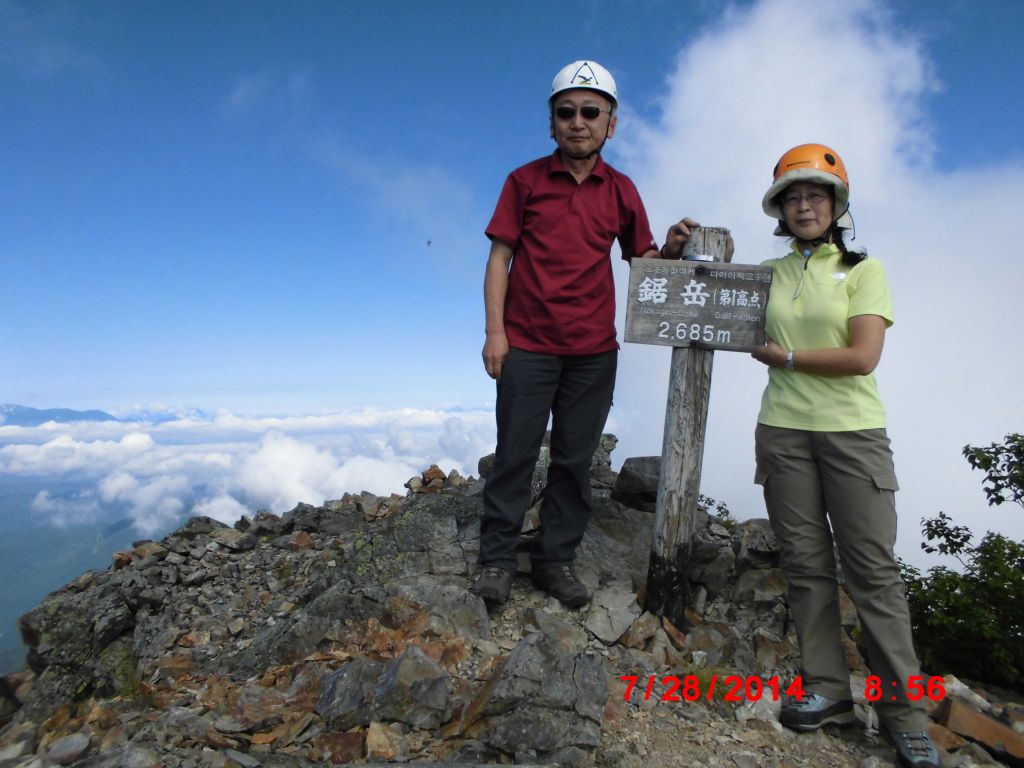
point(807, 209)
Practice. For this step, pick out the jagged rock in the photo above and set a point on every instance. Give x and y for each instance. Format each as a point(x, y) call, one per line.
point(243, 760)
point(611, 549)
point(455, 609)
point(761, 586)
point(956, 687)
point(432, 473)
point(9, 703)
point(340, 748)
point(198, 526)
point(972, 755)
point(711, 566)
point(641, 630)
point(68, 635)
point(945, 738)
point(264, 524)
point(18, 741)
point(603, 453)
point(637, 483)
point(233, 540)
point(1013, 715)
point(771, 651)
point(664, 652)
point(714, 640)
point(305, 517)
point(66, 750)
point(147, 549)
point(1000, 739)
point(602, 478)
point(412, 689)
point(347, 695)
point(848, 618)
point(612, 611)
point(755, 545)
point(569, 637)
point(386, 742)
point(544, 699)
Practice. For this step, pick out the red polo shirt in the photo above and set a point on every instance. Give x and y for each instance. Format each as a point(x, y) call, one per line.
point(561, 296)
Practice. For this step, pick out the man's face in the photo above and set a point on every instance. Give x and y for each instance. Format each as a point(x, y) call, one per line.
point(578, 136)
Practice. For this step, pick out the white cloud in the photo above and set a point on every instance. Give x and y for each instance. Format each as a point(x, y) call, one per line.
point(284, 470)
point(781, 73)
point(222, 507)
point(364, 473)
point(154, 503)
point(228, 465)
point(64, 512)
point(64, 454)
point(253, 92)
point(116, 484)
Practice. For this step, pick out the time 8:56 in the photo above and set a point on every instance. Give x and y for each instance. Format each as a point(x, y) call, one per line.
point(918, 687)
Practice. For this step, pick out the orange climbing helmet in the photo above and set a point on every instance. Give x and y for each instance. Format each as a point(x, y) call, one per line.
point(811, 162)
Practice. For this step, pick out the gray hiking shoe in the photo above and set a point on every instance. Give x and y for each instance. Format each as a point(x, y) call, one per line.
point(493, 585)
point(914, 749)
point(811, 711)
point(560, 581)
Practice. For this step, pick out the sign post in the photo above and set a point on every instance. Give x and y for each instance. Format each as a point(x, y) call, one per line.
point(696, 306)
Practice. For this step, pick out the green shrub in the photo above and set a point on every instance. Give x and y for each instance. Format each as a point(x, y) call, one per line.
point(971, 622)
point(717, 509)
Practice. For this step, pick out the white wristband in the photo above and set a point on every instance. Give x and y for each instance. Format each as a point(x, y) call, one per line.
point(790, 365)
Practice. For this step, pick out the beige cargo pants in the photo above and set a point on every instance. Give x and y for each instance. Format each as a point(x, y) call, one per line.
point(821, 487)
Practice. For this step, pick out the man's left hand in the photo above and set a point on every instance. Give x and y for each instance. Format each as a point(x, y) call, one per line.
point(680, 232)
point(676, 238)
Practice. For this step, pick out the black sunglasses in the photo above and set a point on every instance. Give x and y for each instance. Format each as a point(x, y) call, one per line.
point(588, 112)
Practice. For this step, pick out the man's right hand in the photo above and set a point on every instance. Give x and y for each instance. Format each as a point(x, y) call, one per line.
point(495, 352)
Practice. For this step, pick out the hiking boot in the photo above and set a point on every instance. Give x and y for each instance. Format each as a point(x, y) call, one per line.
point(560, 582)
point(812, 711)
point(493, 585)
point(914, 749)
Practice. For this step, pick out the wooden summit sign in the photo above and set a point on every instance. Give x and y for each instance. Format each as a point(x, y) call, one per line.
point(703, 304)
point(695, 306)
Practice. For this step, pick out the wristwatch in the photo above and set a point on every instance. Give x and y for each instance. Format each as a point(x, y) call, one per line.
point(790, 365)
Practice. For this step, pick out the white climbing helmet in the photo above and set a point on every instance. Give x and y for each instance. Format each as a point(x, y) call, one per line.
point(585, 74)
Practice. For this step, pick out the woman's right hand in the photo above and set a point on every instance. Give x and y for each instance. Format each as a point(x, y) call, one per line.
point(771, 354)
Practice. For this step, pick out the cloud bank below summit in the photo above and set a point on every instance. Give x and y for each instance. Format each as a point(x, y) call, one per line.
point(229, 465)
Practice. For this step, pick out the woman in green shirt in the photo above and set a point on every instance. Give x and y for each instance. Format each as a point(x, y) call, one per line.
point(823, 455)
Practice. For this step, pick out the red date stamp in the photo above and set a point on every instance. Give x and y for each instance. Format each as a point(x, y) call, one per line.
point(732, 688)
point(918, 687)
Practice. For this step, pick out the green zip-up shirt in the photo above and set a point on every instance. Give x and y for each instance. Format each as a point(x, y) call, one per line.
point(809, 307)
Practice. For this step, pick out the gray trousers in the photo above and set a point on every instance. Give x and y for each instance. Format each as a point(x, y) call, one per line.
point(576, 392)
point(825, 486)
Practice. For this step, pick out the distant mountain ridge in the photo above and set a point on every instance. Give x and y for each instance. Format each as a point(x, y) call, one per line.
point(24, 416)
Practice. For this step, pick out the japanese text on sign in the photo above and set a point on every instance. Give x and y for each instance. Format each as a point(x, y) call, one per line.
point(718, 306)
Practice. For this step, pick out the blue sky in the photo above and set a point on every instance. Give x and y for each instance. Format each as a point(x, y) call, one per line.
point(228, 205)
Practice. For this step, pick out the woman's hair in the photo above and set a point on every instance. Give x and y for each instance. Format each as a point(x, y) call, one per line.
point(833, 235)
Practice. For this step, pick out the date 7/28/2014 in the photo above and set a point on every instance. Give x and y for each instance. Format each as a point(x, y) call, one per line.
point(691, 688)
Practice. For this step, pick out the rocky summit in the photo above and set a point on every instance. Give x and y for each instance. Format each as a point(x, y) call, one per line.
point(346, 634)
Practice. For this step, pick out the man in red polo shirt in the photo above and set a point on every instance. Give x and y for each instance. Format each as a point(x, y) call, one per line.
point(550, 307)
